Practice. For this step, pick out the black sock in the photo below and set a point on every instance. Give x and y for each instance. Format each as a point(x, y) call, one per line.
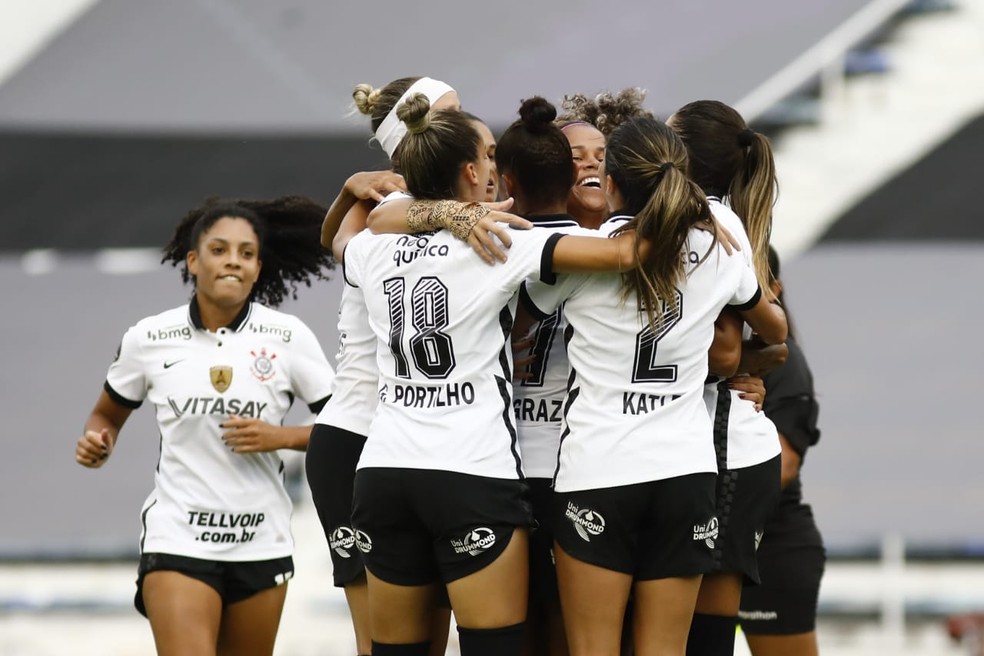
point(712, 635)
point(406, 649)
point(505, 641)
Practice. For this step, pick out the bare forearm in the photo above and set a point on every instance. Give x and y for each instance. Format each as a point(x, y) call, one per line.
point(333, 219)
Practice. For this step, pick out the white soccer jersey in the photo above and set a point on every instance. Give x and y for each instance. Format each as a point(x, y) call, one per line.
point(209, 502)
point(752, 437)
point(442, 320)
point(635, 412)
point(539, 400)
point(354, 394)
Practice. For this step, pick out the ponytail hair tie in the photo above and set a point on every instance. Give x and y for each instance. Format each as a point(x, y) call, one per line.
point(664, 167)
point(746, 138)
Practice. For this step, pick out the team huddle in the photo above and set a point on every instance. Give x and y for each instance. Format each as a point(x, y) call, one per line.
point(573, 418)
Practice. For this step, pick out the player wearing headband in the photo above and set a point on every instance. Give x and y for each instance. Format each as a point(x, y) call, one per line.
point(341, 428)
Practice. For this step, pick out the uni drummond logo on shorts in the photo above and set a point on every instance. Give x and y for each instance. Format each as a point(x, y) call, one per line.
point(342, 540)
point(707, 532)
point(363, 541)
point(475, 542)
point(586, 522)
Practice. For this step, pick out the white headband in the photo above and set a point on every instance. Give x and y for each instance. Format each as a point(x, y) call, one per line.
point(392, 130)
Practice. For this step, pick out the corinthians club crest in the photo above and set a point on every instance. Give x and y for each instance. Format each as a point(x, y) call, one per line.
point(262, 367)
point(221, 377)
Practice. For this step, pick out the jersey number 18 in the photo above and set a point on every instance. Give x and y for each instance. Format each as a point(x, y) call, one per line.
point(431, 349)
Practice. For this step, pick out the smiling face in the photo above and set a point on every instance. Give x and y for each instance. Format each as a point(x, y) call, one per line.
point(225, 263)
point(588, 151)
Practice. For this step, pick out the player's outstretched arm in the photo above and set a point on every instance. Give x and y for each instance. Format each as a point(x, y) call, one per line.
point(485, 226)
point(101, 431)
point(576, 254)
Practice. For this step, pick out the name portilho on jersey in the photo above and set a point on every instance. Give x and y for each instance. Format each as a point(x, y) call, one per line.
point(430, 396)
point(475, 541)
point(208, 405)
point(586, 522)
point(707, 532)
point(342, 541)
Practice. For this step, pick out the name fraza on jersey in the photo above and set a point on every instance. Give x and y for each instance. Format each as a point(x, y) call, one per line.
point(429, 396)
point(637, 403)
point(410, 247)
point(209, 405)
point(549, 410)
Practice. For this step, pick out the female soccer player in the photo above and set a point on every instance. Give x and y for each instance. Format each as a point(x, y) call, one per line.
point(779, 615)
point(534, 161)
point(585, 122)
point(636, 470)
point(341, 428)
point(221, 373)
point(732, 163)
point(444, 421)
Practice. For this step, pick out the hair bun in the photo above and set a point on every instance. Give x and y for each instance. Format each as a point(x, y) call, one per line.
point(537, 113)
point(365, 97)
point(415, 112)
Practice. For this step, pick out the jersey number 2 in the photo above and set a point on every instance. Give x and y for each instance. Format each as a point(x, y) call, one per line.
point(431, 349)
point(645, 369)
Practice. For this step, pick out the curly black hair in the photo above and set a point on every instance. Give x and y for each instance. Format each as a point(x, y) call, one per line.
point(606, 111)
point(288, 228)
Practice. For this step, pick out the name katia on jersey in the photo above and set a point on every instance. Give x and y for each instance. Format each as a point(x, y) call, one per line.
point(636, 403)
point(410, 247)
point(216, 405)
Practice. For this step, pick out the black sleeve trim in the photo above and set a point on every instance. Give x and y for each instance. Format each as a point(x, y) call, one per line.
point(750, 303)
point(118, 398)
point(345, 270)
point(318, 405)
point(547, 273)
point(530, 304)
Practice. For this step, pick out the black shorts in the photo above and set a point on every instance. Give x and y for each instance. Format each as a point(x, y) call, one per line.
point(543, 573)
point(785, 602)
point(330, 462)
point(417, 526)
point(653, 530)
point(234, 581)
point(745, 499)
